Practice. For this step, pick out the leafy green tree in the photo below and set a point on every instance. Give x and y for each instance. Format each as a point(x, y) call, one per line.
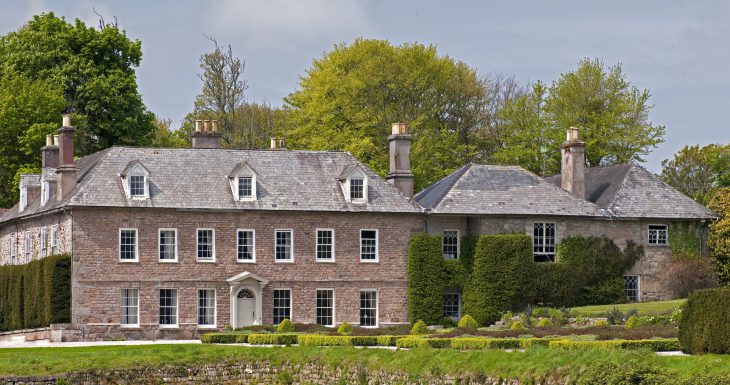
point(163, 136)
point(348, 99)
point(73, 68)
point(698, 171)
point(611, 113)
point(719, 237)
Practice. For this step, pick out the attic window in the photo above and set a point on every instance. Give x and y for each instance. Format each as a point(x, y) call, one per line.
point(245, 187)
point(354, 182)
point(135, 178)
point(243, 182)
point(136, 186)
point(356, 189)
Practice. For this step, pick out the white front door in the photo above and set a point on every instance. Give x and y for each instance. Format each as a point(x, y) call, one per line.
point(245, 308)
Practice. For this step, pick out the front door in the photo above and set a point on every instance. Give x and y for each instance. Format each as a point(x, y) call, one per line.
point(245, 308)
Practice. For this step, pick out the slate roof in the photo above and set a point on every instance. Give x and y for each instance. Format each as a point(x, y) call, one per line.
point(630, 191)
point(501, 190)
point(198, 179)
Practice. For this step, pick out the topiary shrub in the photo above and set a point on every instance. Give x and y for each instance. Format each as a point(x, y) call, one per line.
point(601, 323)
point(285, 326)
point(517, 325)
point(502, 266)
point(468, 321)
point(345, 328)
point(632, 322)
point(704, 326)
point(545, 323)
point(419, 328)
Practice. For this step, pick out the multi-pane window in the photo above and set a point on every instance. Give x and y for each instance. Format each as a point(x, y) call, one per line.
point(282, 305)
point(54, 239)
point(369, 245)
point(245, 246)
point(283, 245)
point(43, 241)
point(206, 307)
point(136, 185)
point(27, 245)
point(326, 307)
point(13, 247)
point(450, 244)
point(168, 307)
point(631, 287)
point(368, 308)
point(128, 244)
point(245, 187)
point(130, 307)
point(357, 189)
point(452, 305)
point(168, 245)
point(658, 235)
point(206, 245)
point(325, 245)
point(543, 242)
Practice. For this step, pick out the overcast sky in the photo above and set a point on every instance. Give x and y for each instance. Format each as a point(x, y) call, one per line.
point(680, 51)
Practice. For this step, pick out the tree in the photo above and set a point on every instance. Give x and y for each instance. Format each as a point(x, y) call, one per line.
point(719, 237)
point(92, 70)
point(611, 113)
point(348, 99)
point(698, 171)
point(163, 136)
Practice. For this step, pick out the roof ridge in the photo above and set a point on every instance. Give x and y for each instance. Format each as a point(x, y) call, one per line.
point(228, 149)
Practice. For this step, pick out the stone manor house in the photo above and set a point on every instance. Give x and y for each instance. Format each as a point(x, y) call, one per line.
point(168, 243)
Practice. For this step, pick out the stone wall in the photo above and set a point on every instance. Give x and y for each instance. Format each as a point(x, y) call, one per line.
point(15, 231)
point(258, 373)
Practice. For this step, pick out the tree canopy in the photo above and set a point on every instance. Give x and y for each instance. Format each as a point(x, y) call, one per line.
point(698, 171)
point(611, 113)
point(50, 66)
point(719, 237)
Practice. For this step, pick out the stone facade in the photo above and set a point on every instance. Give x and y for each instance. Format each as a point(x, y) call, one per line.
point(15, 232)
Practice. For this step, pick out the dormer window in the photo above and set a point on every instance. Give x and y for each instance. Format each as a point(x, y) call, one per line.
point(354, 183)
point(243, 182)
point(136, 180)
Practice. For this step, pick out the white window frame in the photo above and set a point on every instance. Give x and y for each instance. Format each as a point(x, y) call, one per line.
point(215, 309)
point(638, 286)
point(54, 239)
point(44, 238)
point(554, 254)
point(291, 248)
point(136, 245)
point(377, 247)
point(121, 294)
point(253, 246)
point(159, 245)
point(648, 234)
point(317, 244)
point(13, 247)
point(45, 192)
point(27, 246)
point(377, 308)
point(334, 306)
point(253, 187)
point(458, 243)
point(459, 311)
point(176, 307)
point(291, 304)
point(197, 245)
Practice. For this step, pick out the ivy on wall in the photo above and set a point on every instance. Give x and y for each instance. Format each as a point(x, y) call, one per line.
point(684, 240)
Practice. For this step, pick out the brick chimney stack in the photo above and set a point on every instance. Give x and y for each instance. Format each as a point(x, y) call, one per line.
point(206, 134)
point(573, 166)
point(49, 152)
point(67, 170)
point(400, 174)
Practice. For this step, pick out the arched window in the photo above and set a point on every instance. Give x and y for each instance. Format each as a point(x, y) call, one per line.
point(245, 293)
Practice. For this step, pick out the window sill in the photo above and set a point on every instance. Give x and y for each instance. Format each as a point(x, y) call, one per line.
point(284, 261)
point(131, 327)
point(246, 261)
point(169, 327)
point(207, 327)
point(205, 260)
point(324, 260)
point(369, 261)
point(658, 245)
point(167, 260)
point(129, 261)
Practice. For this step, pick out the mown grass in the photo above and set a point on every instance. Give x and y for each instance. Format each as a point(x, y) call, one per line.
point(529, 364)
point(644, 308)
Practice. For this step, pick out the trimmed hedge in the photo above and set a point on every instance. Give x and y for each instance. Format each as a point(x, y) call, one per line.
point(705, 323)
point(388, 340)
point(272, 339)
point(497, 343)
point(224, 338)
point(36, 294)
point(322, 340)
point(663, 345)
point(411, 343)
point(425, 279)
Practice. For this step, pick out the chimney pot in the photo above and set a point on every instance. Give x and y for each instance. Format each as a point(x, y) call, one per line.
point(278, 144)
point(49, 140)
point(400, 128)
point(214, 125)
point(197, 125)
point(55, 140)
point(66, 120)
point(206, 123)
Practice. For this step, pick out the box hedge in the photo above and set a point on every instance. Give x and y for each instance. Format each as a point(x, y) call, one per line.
point(223, 338)
point(388, 340)
point(657, 345)
point(411, 343)
point(705, 323)
point(35, 294)
point(272, 339)
point(324, 340)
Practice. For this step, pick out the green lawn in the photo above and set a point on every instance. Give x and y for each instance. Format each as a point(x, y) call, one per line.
point(533, 362)
point(644, 308)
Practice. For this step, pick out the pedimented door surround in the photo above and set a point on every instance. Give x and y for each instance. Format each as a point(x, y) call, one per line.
point(252, 283)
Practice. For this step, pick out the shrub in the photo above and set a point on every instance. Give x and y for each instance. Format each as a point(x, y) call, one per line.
point(615, 316)
point(468, 247)
point(545, 323)
point(485, 343)
point(704, 326)
point(601, 323)
point(321, 340)
point(502, 267)
point(468, 321)
point(517, 325)
point(285, 326)
point(345, 328)
point(365, 340)
point(656, 345)
point(388, 340)
point(447, 322)
point(632, 322)
point(625, 373)
point(412, 342)
point(272, 339)
point(221, 338)
point(688, 275)
point(425, 287)
point(419, 328)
